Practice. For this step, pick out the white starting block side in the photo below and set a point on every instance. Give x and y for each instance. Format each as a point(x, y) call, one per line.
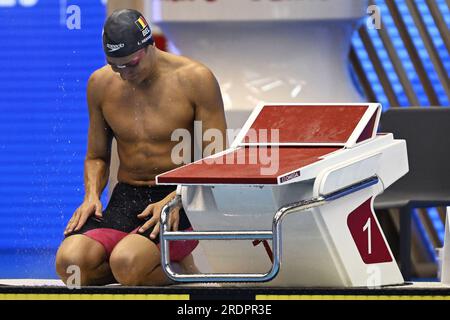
point(322, 197)
point(358, 241)
point(325, 246)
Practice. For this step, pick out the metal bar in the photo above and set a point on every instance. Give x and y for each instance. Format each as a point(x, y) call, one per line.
point(429, 45)
point(398, 66)
point(219, 235)
point(209, 235)
point(276, 236)
point(367, 87)
point(352, 188)
point(378, 66)
point(439, 21)
point(414, 56)
point(220, 277)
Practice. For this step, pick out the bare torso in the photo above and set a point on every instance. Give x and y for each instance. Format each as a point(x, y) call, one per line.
point(142, 119)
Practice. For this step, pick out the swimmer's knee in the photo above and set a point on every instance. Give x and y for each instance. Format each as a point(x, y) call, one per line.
point(73, 255)
point(124, 267)
point(131, 269)
point(76, 251)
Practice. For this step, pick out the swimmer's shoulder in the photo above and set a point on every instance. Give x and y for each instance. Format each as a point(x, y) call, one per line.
point(99, 82)
point(190, 72)
point(194, 70)
point(102, 77)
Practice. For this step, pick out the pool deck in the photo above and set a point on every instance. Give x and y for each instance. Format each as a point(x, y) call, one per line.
point(49, 289)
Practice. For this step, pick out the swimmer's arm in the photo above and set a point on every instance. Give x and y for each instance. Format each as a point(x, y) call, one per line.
point(208, 105)
point(98, 156)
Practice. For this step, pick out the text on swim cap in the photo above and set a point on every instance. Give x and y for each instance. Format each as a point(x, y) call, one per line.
point(114, 47)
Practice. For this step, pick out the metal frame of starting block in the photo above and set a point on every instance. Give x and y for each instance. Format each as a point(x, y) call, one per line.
point(274, 235)
point(323, 193)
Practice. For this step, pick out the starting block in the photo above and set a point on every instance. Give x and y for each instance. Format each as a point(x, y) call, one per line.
point(304, 218)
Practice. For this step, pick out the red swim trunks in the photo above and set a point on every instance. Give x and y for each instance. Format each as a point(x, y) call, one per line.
point(120, 219)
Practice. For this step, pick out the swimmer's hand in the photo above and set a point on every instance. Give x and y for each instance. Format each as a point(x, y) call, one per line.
point(154, 210)
point(89, 207)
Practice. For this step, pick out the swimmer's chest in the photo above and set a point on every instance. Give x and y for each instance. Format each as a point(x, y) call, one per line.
point(152, 114)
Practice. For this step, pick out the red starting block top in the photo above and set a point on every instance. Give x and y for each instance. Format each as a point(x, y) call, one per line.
point(338, 125)
point(305, 133)
point(247, 165)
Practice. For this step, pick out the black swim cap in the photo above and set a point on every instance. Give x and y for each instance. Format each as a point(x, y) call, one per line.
point(125, 32)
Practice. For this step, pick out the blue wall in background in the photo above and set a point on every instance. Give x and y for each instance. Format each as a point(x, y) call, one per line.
point(43, 124)
point(44, 67)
